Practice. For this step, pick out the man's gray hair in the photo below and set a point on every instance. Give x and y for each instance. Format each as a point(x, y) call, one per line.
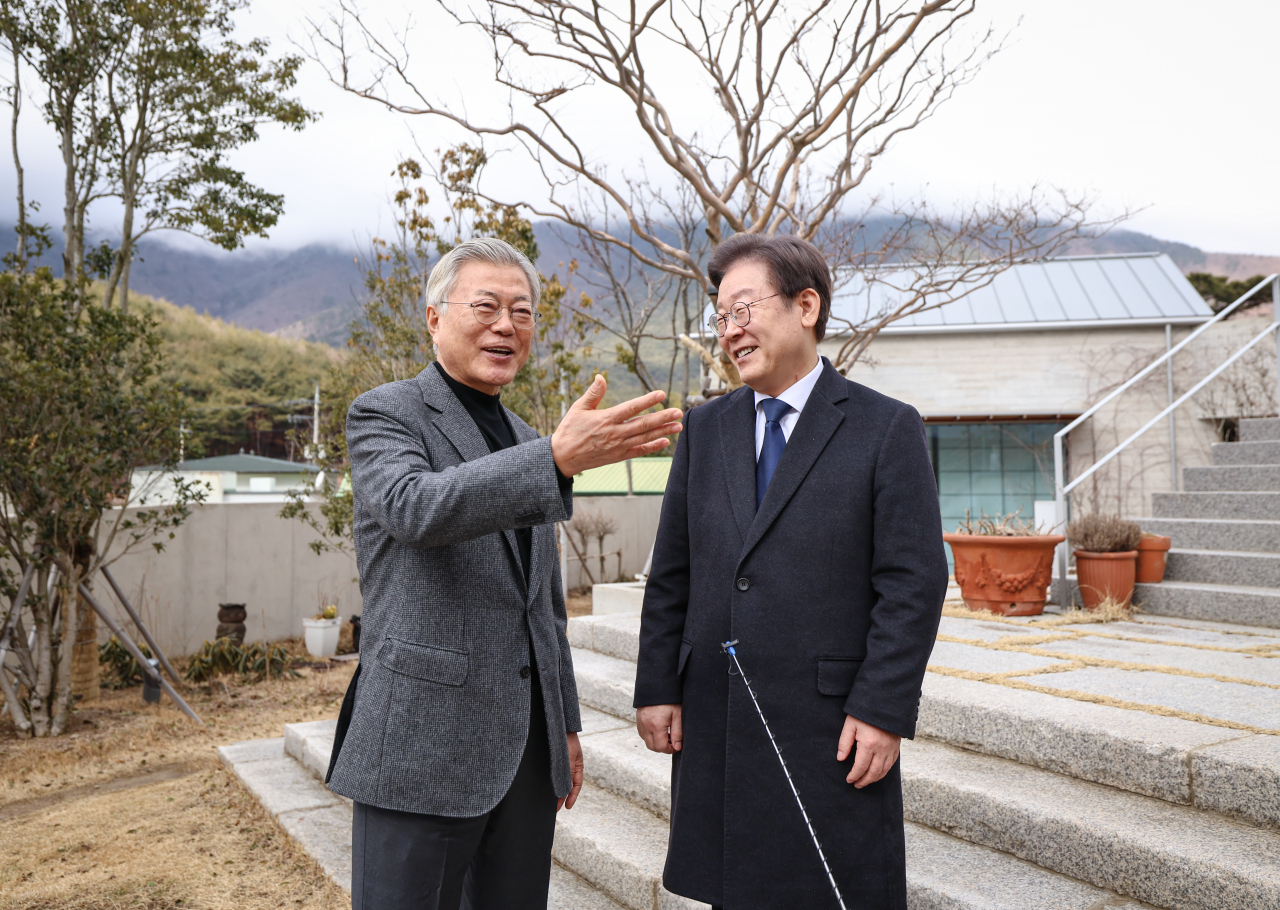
point(444, 276)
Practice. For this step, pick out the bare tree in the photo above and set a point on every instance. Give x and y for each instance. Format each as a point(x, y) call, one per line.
point(805, 103)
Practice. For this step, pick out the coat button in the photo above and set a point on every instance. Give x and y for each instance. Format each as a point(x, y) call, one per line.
point(743, 584)
point(524, 672)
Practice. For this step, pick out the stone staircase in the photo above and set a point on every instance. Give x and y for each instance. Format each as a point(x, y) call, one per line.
point(1015, 800)
point(1225, 561)
point(1059, 766)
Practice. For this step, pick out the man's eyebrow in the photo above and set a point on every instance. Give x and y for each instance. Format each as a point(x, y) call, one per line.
point(521, 298)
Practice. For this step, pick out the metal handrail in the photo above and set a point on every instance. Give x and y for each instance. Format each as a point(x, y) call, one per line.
point(1062, 488)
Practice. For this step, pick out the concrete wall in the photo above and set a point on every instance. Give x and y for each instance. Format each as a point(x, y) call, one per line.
point(245, 553)
point(234, 553)
point(637, 520)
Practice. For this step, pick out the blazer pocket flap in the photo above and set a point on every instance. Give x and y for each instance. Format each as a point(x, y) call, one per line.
point(686, 648)
point(837, 674)
point(438, 665)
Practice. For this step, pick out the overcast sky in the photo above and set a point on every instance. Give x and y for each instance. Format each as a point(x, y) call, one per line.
point(1163, 105)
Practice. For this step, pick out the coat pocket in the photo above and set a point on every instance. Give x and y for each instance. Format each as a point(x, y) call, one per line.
point(438, 665)
point(837, 674)
point(686, 648)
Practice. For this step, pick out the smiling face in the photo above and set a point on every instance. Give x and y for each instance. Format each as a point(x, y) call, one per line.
point(485, 357)
point(778, 346)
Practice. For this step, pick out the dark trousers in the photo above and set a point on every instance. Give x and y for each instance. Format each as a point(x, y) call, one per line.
point(497, 861)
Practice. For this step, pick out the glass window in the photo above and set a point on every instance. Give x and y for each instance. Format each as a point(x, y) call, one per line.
point(997, 468)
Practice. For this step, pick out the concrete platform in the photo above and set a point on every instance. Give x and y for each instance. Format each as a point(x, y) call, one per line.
point(618, 597)
point(320, 822)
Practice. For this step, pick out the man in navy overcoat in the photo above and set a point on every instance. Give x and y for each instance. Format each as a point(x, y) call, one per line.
point(801, 520)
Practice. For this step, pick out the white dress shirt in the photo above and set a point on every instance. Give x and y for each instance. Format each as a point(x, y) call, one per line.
point(796, 396)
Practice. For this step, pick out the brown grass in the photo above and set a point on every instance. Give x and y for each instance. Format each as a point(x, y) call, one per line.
point(1110, 610)
point(84, 826)
point(578, 603)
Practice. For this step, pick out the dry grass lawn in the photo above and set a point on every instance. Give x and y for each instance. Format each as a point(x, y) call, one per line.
point(131, 809)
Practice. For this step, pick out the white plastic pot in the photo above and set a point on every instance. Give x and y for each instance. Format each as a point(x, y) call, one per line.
point(322, 636)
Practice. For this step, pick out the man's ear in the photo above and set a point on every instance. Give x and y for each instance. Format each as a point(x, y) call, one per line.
point(810, 306)
point(433, 319)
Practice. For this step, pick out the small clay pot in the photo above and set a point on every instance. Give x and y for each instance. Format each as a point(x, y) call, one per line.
point(1103, 575)
point(1152, 551)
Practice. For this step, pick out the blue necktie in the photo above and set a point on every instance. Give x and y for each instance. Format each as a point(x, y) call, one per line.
point(774, 442)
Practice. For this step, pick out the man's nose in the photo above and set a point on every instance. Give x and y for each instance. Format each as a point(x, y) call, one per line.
point(504, 325)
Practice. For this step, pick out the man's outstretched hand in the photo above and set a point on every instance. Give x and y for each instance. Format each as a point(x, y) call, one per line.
point(588, 438)
point(877, 751)
point(660, 726)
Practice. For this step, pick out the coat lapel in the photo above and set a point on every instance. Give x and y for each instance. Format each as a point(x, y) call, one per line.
point(813, 430)
point(456, 425)
point(738, 450)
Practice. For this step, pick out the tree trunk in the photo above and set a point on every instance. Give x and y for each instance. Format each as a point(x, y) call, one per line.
point(85, 675)
point(17, 161)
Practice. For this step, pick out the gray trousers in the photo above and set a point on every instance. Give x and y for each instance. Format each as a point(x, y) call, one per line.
point(497, 861)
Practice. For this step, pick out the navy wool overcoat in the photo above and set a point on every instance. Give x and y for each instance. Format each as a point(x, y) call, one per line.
point(833, 591)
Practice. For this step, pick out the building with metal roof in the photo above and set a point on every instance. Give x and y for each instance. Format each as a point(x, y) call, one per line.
point(1006, 363)
point(229, 478)
point(1071, 292)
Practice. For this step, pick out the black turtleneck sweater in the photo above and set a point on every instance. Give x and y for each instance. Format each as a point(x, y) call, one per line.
point(486, 411)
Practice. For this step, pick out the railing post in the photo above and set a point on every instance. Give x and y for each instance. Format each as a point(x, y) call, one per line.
point(1060, 499)
point(1275, 320)
point(1173, 432)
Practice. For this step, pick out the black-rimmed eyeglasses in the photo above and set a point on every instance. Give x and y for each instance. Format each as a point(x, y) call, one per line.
point(740, 313)
point(487, 312)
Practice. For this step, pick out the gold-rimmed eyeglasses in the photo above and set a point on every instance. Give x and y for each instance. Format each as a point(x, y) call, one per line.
point(523, 316)
point(740, 313)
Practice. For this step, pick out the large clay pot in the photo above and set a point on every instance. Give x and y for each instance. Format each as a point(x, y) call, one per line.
point(1152, 551)
point(1103, 575)
point(1006, 575)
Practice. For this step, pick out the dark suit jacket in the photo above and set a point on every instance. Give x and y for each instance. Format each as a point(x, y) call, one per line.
point(833, 591)
point(441, 710)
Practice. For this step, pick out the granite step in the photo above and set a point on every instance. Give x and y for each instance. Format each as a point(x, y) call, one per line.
point(320, 822)
point(1218, 533)
point(1248, 506)
point(1244, 605)
point(942, 872)
point(1216, 768)
point(1164, 854)
point(618, 843)
point(1231, 478)
point(1246, 453)
point(1224, 567)
point(1260, 429)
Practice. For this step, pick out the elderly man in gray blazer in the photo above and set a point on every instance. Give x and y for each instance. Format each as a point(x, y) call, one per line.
point(458, 738)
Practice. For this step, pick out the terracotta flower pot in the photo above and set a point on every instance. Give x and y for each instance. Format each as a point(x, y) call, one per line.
point(1151, 558)
point(1007, 575)
point(1103, 575)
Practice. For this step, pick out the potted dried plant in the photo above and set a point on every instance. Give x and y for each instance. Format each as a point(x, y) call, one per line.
point(1153, 549)
point(1106, 550)
point(322, 631)
point(1003, 564)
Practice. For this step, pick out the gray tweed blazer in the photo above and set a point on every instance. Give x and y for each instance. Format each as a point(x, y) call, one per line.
point(441, 709)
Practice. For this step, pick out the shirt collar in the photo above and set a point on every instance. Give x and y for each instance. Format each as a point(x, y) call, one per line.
point(798, 394)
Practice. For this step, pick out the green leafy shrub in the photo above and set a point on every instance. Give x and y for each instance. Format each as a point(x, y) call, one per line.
point(224, 656)
point(1101, 533)
point(120, 670)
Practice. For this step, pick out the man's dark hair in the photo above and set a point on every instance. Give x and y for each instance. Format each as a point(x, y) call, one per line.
point(793, 264)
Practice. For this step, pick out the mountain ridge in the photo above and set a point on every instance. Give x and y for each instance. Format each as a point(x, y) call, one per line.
point(314, 292)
